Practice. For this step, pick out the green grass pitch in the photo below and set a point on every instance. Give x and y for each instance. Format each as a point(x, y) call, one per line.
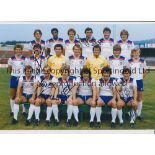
point(5, 120)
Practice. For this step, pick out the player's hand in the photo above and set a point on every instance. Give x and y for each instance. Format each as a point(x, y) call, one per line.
point(74, 101)
point(17, 99)
point(93, 103)
point(32, 100)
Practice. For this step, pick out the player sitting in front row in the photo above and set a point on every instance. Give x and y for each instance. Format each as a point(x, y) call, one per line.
point(127, 94)
point(65, 91)
point(25, 93)
point(86, 92)
point(106, 95)
point(45, 94)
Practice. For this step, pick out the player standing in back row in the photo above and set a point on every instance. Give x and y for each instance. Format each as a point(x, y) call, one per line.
point(52, 42)
point(70, 42)
point(126, 45)
point(37, 34)
point(87, 43)
point(106, 43)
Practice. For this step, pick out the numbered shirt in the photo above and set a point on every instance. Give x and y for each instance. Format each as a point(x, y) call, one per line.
point(126, 48)
point(137, 68)
point(65, 87)
point(87, 46)
point(18, 65)
point(42, 43)
point(117, 65)
point(106, 47)
point(27, 85)
point(46, 85)
point(127, 87)
point(85, 87)
point(105, 88)
point(76, 65)
point(69, 47)
point(37, 64)
point(52, 42)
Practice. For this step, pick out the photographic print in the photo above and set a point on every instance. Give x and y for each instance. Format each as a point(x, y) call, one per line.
point(77, 75)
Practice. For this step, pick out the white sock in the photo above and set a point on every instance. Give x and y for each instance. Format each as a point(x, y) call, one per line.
point(48, 113)
point(31, 111)
point(55, 111)
point(16, 110)
point(69, 111)
point(139, 108)
point(114, 114)
point(24, 110)
point(92, 113)
point(132, 116)
point(37, 112)
point(76, 112)
point(98, 113)
point(12, 102)
point(119, 113)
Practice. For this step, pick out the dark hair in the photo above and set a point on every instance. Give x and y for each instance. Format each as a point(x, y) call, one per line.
point(27, 68)
point(77, 45)
point(116, 47)
point(97, 46)
point(88, 29)
point(71, 30)
point(54, 29)
point(85, 70)
point(124, 32)
point(106, 69)
point(18, 46)
point(126, 70)
point(37, 30)
point(37, 46)
point(58, 45)
point(107, 29)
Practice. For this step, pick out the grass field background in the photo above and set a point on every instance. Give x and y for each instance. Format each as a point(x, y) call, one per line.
point(5, 119)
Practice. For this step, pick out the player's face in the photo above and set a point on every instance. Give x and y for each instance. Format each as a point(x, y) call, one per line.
point(65, 74)
point(96, 52)
point(126, 75)
point(28, 72)
point(37, 35)
point(46, 72)
point(124, 37)
point(18, 51)
point(85, 75)
point(77, 51)
point(106, 34)
point(37, 51)
point(136, 54)
point(106, 75)
point(58, 51)
point(71, 35)
point(89, 34)
point(55, 34)
point(116, 53)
